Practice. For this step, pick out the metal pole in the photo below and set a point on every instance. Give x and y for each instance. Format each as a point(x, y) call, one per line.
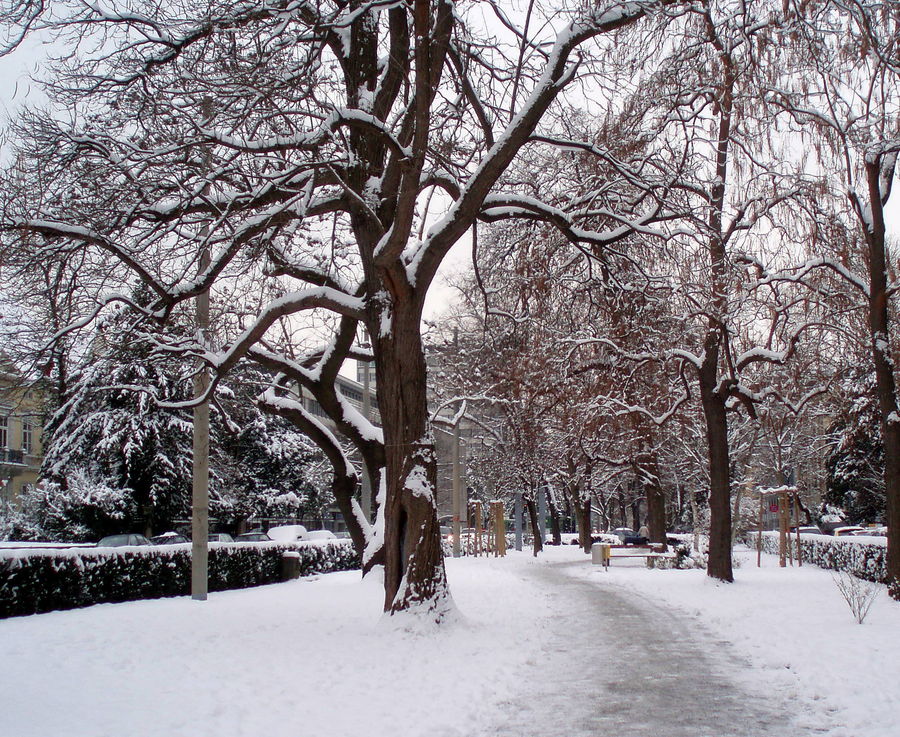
point(518, 513)
point(366, 493)
point(457, 491)
point(542, 513)
point(200, 490)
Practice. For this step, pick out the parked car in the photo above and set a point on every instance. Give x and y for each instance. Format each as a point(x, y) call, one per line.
point(287, 533)
point(220, 537)
point(879, 531)
point(320, 535)
point(808, 530)
point(252, 537)
point(846, 530)
point(169, 538)
point(629, 537)
point(117, 541)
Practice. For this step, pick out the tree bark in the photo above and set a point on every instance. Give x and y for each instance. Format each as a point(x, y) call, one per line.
point(538, 543)
point(656, 512)
point(555, 530)
point(885, 383)
point(414, 562)
point(720, 564)
point(583, 515)
point(713, 396)
point(623, 509)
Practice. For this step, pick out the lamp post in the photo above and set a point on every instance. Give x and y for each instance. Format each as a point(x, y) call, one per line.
point(200, 470)
point(457, 501)
point(365, 481)
point(200, 482)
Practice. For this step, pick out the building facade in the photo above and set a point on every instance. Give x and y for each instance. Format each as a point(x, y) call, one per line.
point(20, 434)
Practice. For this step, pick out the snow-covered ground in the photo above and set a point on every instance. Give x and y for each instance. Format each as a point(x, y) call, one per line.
point(313, 657)
point(795, 630)
point(304, 658)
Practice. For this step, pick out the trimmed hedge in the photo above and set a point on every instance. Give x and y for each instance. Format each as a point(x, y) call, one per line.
point(863, 558)
point(34, 581)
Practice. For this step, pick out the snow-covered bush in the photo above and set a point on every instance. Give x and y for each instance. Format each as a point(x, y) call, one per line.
point(858, 594)
point(33, 581)
point(863, 558)
point(685, 558)
point(79, 509)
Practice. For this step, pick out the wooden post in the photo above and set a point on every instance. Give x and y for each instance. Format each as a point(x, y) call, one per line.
point(762, 504)
point(787, 526)
point(797, 524)
point(499, 528)
point(782, 532)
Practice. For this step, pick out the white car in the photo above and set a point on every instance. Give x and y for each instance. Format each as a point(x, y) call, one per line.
point(288, 533)
point(319, 535)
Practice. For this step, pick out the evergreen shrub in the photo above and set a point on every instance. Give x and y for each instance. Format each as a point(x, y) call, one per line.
point(41, 580)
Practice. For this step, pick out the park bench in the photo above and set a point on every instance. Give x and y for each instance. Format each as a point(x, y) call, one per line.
point(604, 553)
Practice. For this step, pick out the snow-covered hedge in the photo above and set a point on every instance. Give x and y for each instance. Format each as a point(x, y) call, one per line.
point(33, 581)
point(863, 557)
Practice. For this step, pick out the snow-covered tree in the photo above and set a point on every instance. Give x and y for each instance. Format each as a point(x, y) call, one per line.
point(300, 142)
point(843, 94)
point(112, 431)
point(856, 461)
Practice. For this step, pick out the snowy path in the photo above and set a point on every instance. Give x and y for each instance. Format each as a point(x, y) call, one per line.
point(615, 664)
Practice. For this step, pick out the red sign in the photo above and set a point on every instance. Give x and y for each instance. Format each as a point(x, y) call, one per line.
point(773, 507)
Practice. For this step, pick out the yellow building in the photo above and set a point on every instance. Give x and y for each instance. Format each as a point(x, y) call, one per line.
point(20, 434)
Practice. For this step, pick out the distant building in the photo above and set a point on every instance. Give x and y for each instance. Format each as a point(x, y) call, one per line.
point(364, 400)
point(354, 392)
point(20, 433)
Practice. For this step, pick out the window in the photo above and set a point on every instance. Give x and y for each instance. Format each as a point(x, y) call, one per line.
point(4, 430)
point(27, 436)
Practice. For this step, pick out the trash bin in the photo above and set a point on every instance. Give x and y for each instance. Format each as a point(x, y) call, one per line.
point(290, 565)
point(600, 554)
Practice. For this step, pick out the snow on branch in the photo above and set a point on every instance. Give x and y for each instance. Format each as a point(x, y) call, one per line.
point(343, 117)
point(320, 297)
point(422, 260)
point(798, 274)
point(326, 440)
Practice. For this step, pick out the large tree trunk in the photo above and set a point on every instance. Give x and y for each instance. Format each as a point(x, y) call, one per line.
point(414, 562)
point(635, 506)
point(711, 394)
point(656, 512)
point(583, 515)
point(885, 384)
point(623, 509)
point(719, 565)
point(554, 517)
point(538, 543)
point(581, 497)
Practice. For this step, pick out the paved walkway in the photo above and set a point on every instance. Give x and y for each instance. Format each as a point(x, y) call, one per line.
point(616, 666)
